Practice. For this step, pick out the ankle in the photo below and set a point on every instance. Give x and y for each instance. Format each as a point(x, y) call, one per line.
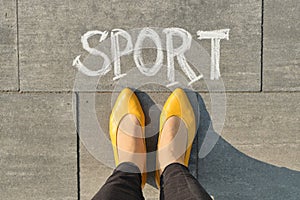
point(172, 143)
point(130, 142)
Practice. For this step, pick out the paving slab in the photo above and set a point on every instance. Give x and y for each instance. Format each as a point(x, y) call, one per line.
point(8, 46)
point(50, 35)
point(259, 118)
point(38, 147)
point(281, 46)
point(242, 160)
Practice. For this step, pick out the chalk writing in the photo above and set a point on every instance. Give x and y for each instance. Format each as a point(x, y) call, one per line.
point(170, 34)
point(215, 37)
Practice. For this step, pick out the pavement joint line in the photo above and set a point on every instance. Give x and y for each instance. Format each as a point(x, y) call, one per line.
point(262, 47)
point(265, 144)
point(18, 45)
point(150, 92)
point(78, 145)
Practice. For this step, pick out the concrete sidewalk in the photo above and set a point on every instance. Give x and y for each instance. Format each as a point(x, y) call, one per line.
point(257, 155)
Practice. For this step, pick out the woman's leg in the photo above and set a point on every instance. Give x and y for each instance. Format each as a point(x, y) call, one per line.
point(123, 184)
point(178, 183)
point(126, 182)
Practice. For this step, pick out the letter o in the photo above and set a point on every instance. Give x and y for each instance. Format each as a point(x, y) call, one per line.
point(150, 33)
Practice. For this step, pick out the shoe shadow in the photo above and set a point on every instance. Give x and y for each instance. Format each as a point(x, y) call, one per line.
point(225, 172)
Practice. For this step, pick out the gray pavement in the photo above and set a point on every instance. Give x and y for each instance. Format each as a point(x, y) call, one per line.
point(8, 46)
point(38, 147)
point(256, 155)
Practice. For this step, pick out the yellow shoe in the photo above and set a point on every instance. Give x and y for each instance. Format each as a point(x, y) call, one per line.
point(127, 103)
point(178, 105)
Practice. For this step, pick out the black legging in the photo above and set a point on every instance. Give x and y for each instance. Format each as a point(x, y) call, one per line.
point(176, 183)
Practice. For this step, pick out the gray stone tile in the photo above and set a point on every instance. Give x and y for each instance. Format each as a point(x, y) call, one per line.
point(93, 174)
point(281, 46)
point(262, 118)
point(38, 147)
point(49, 45)
point(8, 46)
